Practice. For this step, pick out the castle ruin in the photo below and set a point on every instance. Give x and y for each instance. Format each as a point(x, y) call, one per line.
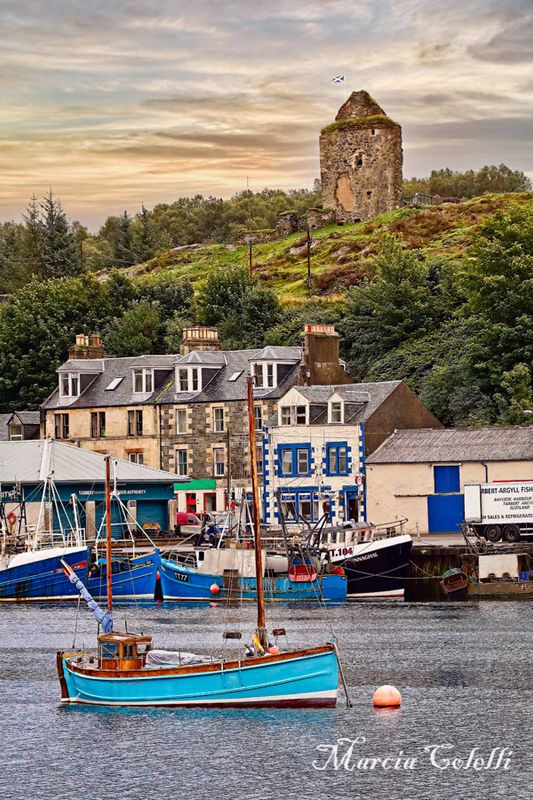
point(361, 161)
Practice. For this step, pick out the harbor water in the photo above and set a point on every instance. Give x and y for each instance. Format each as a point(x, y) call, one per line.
point(464, 670)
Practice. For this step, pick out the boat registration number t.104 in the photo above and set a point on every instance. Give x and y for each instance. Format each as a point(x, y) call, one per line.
point(341, 551)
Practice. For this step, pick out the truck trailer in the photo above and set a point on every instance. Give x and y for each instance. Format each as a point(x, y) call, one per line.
point(500, 510)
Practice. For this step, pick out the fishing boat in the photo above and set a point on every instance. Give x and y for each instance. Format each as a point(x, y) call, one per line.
point(127, 671)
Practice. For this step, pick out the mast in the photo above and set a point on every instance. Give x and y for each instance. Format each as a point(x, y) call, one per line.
point(261, 629)
point(108, 569)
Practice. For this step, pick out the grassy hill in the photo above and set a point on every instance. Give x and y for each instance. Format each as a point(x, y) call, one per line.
point(339, 252)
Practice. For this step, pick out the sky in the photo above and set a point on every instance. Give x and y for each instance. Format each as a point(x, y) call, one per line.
point(126, 102)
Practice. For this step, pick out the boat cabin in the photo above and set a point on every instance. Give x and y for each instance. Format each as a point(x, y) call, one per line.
point(122, 651)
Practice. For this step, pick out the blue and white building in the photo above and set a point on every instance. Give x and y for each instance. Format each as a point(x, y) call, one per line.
point(315, 448)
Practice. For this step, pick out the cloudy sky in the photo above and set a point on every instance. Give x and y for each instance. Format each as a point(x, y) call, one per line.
point(124, 102)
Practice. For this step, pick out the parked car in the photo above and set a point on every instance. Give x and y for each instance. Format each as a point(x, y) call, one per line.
point(187, 523)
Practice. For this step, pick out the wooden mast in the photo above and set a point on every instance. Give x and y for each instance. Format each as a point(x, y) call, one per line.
point(261, 629)
point(108, 569)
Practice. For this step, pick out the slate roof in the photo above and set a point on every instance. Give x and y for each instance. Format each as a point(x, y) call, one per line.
point(30, 461)
point(4, 433)
point(362, 399)
point(27, 417)
point(218, 389)
point(447, 445)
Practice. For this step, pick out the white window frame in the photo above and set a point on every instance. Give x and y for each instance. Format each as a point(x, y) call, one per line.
point(288, 415)
point(146, 380)
point(193, 382)
point(179, 466)
point(136, 458)
point(217, 419)
point(72, 380)
point(330, 413)
point(16, 437)
point(258, 417)
point(265, 374)
point(217, 464)
point(285, 415)
point(181, 412)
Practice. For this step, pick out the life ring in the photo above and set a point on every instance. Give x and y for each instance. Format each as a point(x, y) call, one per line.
point(11, 518)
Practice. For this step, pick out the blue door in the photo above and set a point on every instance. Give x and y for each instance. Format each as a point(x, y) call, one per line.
point(152, 511)
point(446, 512)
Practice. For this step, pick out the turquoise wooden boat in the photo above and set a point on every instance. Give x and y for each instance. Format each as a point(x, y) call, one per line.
point(128, 671)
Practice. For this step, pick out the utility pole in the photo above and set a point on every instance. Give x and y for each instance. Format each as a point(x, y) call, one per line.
point(308, 262)
point(228, 447)
point(249, 240)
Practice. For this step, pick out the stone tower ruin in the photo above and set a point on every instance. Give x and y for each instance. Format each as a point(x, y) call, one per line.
point(361, 161)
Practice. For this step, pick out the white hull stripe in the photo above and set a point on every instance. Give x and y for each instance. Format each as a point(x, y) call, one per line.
point(328, 694)
point(389, 593)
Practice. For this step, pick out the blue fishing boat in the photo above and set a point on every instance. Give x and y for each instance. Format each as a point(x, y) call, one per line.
point(128, 671)
point(132, 577)
point(39, 575)
point(181, 582)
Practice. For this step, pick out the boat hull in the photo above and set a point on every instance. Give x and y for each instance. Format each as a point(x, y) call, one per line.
point(306, 678)
point(379, 568)
point(44, 578)
point(132, 578)
point(183, 583)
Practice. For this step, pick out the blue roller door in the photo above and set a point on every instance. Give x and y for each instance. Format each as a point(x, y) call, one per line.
point(445, 513)
point(153, 511)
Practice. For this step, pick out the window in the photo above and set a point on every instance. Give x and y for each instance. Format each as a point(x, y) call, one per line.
point(265, 375)
point(218, 420)
point(15, 432)
point(108, 650)
point(369, 194)
point(181, 462)
point(258, 418)
point(136, 457)
point(219, 466)
point(259, 459)
point(143, 381)
point(114, 383)
point(447, 479)
point(181, 420)
point(188, 379)
point(286, 462)
point(293, 415)
point(337, 459)
point(294, 460)
point(69, 385)
point(235, 376)
point(302, 461)
point(335, 412)
point(97, 424)
point(61, 426)
point(135, 423)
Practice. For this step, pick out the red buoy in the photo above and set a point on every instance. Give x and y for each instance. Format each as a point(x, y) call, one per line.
point(214, 588)
point(387, 697)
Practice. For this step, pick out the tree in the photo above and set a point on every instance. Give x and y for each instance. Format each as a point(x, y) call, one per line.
point(135, 333)
point(446, 182)
point(32, 249)
point(60, 256)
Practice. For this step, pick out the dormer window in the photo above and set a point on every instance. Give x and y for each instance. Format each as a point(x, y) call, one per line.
point(188, 379)
point(143, 381)
point(69, 384)
point(293, 415)
point(336, 412)
point(265, 374)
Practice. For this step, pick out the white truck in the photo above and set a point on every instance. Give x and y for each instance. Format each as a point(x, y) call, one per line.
point(500, 510)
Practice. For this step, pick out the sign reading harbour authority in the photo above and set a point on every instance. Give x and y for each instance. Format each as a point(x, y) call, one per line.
point(345, 754)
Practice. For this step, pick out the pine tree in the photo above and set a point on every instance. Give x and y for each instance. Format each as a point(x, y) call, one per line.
point(60, 251)
point(124, 253)
point(32, 246)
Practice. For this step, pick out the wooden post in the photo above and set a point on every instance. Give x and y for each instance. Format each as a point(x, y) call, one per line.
point(108, 567)
point(308, 262)
point(261, 629)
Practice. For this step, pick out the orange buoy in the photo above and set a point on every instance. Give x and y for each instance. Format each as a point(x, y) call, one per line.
point(274, 650)
point(214, 588)
point(387, 697)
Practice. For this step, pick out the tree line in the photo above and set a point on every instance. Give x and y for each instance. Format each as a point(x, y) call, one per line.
point(460, 333)
point(472, 183)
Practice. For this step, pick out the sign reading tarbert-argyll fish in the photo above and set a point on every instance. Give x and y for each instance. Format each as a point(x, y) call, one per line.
point(509, 502)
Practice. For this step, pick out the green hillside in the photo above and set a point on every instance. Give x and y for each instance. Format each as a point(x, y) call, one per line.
point(339, 252)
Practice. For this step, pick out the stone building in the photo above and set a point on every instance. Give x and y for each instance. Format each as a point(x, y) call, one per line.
point(186, 413)
point(361, 161)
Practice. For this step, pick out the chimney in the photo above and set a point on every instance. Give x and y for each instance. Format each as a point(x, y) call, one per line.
point(320, 363)
point(199, 337)
point(87, 347)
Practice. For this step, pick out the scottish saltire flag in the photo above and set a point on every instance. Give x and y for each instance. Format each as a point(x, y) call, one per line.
point(338, 79)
